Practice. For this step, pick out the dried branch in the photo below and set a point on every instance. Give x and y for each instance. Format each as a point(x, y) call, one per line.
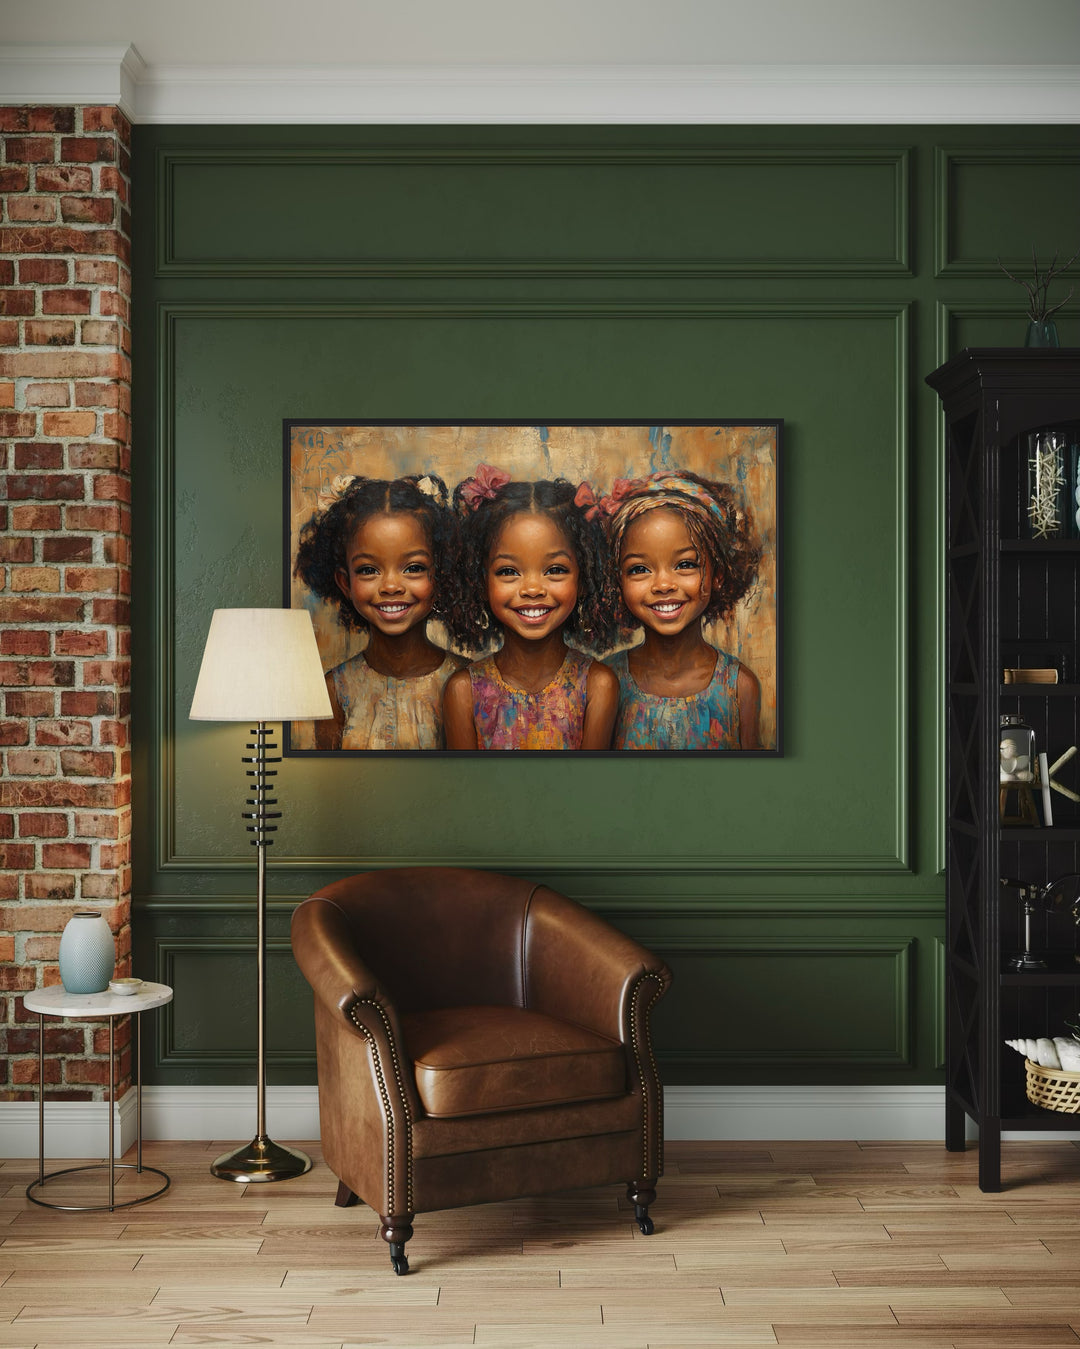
point(1038, 310)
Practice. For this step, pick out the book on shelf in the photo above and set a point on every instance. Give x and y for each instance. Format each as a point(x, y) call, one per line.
point(1029, 676)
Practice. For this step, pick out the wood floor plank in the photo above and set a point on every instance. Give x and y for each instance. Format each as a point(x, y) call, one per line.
point(840, 1244)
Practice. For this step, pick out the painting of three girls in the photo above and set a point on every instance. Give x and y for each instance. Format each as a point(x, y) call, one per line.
point(520, 612)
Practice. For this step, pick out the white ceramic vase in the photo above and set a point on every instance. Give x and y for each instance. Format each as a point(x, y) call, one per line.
point(87, 953)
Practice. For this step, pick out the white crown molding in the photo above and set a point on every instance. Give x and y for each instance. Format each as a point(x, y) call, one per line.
point(878, 1113)
point(432, 95)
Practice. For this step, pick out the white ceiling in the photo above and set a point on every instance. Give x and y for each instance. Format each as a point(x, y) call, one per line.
point(558, 32)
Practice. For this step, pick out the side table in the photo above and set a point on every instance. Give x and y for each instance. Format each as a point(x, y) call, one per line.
point(57, 1001)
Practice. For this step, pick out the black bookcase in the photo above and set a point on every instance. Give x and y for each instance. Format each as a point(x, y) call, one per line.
point(1011, 601)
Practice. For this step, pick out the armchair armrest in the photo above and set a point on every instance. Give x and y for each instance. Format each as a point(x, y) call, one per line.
point(577, 966)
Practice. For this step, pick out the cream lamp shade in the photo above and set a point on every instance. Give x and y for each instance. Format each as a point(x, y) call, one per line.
point(261, 665)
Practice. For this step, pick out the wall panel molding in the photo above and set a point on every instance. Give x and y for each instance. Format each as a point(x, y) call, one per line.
point(1031, 160)
point(896, 1053)
point(632, 163)
point(895, 858)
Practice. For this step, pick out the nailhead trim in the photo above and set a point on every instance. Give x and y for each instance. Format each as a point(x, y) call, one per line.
point(392, 1206)
point(658, 1162)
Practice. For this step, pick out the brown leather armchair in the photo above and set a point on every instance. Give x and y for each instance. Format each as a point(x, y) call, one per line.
point(479, 1038)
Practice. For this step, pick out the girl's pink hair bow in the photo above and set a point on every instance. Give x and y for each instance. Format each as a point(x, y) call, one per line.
point(587, 497)
point(483, 485)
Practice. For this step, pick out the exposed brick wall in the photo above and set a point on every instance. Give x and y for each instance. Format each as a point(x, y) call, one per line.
point(65, 560)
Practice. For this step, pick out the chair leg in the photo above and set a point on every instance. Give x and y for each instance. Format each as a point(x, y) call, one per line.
point(641, 1193)
point(345, 1197)
point(396, 1231)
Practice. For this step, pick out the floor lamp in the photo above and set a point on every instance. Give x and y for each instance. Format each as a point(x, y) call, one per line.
point(261, 665)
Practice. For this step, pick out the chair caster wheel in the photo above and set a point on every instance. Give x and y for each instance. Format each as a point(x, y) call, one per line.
point(644, 1222)
point(400, 1264)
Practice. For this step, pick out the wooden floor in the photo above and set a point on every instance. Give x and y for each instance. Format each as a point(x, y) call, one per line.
point(799, 1244)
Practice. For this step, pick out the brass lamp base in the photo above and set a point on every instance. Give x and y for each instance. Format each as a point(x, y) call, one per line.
point(261, 1159)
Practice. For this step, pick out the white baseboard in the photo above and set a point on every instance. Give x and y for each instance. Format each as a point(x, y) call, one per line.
point(228, 1114)
point(73, 1129)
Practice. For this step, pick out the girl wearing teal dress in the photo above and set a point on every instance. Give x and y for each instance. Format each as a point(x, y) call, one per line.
point(684, 554)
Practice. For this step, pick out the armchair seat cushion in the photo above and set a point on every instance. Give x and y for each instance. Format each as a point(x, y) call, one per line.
point(484, 1059)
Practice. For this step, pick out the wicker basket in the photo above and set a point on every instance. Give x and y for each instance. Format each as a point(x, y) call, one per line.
point(1053, 1088)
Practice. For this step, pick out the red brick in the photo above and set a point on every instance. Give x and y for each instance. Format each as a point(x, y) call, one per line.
point(7, 949)
point(95, 885)
point(65, 300)
point(43, 609)
point(39, 454)
point(106, 672)
point(32, 209)
point(14, 179)
point(88, 210)
point(29, 150)
point(116, 613)
point(9, 329)
point(31, 763)
point(44, 579)
point(48, 396)
point(99, 333)
point(109, 302)
point(29, 702)
point(58, 1039)
point(42, 885)
point(16, 857)
point(24, 642)
point(18, 303)
point(61, 364)
point(27, 1070)
point(95, 272)
point(95, 1071)
point(42, 824)
point(67, 548)
point(94, 454)
point(14, 733)
point(45, 486)
point(43, 271)
point(37, 673)
point(36, 517)
point(112, 180)
point(49, 333)
point(110, 487)
point(15, 548)
point(64, 733)
point(74, 643)
point(74, 855)
point(99, 519)
point(16, 118)
point(7, 399)
point(44, 118)
point(97, 824)
point(91, 579)
point(44, 948)
point(60, 793)
point(7, 830)
point(64, 178)
point(22, 239)
point(88, 150)
point(69, 424)
point(117, 549)
point(106, 117)
point(117, 426)
point(112, 733)
point(85, 763)
point(17, 424)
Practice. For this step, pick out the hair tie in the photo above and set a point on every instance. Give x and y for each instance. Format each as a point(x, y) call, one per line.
point(484, 485)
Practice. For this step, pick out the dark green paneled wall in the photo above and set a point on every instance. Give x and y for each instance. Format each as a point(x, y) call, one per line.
point(809, 274)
